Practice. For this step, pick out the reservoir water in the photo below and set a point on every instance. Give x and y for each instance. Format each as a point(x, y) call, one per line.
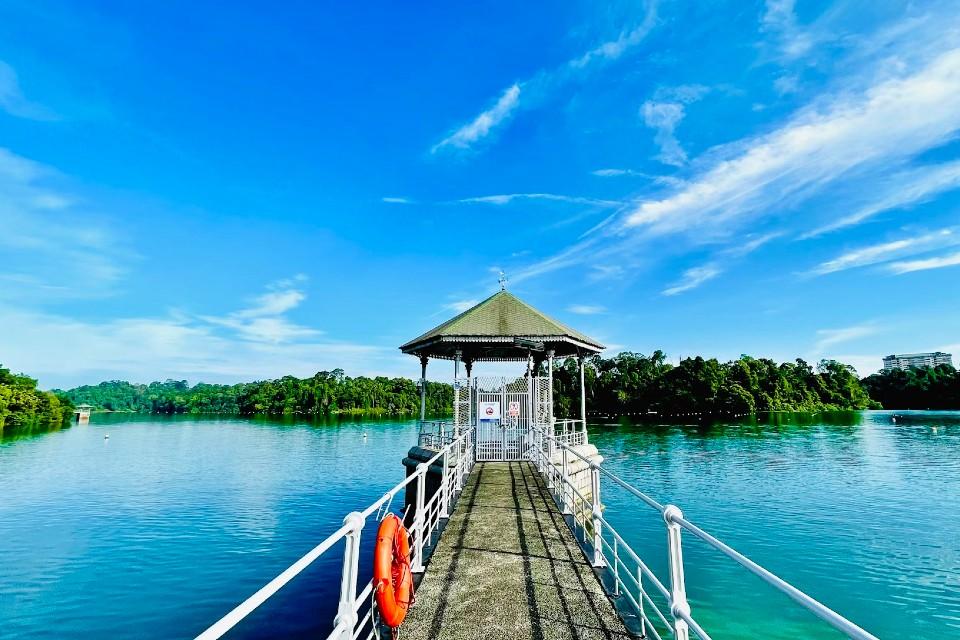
point(165, 526)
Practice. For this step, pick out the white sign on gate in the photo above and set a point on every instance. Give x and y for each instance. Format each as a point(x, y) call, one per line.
point(513, 409)
point(488, 410)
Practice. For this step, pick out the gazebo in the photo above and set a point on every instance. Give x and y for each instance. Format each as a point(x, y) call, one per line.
point(503, 328)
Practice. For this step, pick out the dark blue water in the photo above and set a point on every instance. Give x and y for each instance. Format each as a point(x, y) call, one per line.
point(163, 528)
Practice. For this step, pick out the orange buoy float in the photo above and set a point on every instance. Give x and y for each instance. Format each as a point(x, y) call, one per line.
point(392, 576)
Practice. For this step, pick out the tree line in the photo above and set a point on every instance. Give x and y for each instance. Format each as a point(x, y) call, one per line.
point(24, 407)
point(916, 388)
point(323, 394)
point(633, 383)
point(628, 383)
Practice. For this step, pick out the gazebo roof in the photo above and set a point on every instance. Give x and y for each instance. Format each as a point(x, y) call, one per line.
point(502, 327)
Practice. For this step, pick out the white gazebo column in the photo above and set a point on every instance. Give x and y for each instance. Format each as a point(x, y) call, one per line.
point(456, 391)
point(583, 395)
point(531, 402)
point(550, 354)
point(468, 364)
point(423, 387)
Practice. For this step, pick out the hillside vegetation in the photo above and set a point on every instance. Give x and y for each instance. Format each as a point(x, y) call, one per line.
point(23, 406)
point(325, 393)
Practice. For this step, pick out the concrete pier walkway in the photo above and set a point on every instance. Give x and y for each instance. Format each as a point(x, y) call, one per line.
point(507, 566)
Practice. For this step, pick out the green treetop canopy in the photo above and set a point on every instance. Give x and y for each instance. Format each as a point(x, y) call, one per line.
point(502, 327)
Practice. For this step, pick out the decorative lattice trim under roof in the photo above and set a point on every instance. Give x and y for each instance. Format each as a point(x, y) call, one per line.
point(490, 330)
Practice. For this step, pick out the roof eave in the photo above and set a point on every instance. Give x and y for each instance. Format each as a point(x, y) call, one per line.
point(417, 347)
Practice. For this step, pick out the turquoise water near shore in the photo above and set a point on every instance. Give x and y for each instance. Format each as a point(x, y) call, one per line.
point(169, 523)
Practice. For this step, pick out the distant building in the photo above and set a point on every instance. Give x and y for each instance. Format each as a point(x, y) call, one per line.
point(907, 360)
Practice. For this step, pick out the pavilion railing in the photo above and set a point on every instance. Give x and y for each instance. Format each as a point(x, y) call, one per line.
point(569, 431)
point(357, 615)
point(661, 606)
point(434, 434)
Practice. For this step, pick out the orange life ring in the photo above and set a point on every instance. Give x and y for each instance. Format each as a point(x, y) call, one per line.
point(391, 571)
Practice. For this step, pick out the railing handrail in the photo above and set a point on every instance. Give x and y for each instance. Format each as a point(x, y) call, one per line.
point(245, 608)
point(819, 609)
point(636, 492)
point(672, 514)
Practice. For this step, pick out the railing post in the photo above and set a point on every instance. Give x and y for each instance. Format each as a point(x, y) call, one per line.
point(597, 539)
point(678, 590)
point(346, 618)
point(419, 522)
point(643, 619)
point(616, 568)
point(444, 488)
point(552, 470)
point(564, 481)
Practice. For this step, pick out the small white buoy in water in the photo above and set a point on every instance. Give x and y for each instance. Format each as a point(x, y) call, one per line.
point(106, 436)
point(894, 419)
point(364, 435)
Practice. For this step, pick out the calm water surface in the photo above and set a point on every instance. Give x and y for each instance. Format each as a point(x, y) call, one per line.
point(165, 526)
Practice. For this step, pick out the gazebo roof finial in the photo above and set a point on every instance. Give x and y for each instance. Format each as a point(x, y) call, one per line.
point(502, 280)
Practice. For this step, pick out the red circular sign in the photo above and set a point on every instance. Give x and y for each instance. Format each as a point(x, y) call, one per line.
point(489, 411)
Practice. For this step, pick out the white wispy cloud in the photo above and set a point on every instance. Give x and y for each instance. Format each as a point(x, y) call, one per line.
point(175, 346)
point(887, 251)
point(663, 117)
point(786, 84)
point(461, 305)
point(780, 20)
point(939, 262)
point(54, 245)
point(613, 49)
point(483, 124)
point(536, 89)
point(605, 271)
point(13, 101)
point(396, 200)
point(903, 189)
point(614, 173)
point(750, 243)
point(503, 199)
point(865, 130)
point(884, 125)
point(828, 338)
point(264, 319)
point(586, 309)
point(693, 278)
point(664, 113)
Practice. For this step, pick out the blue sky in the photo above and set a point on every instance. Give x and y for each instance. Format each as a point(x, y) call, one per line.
point(222, 196)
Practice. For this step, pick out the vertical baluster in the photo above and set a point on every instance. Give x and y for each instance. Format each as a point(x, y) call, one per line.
point(564, 482)
point(678, 590)
point(346, 618)
point(597, 540)
point(616, 568)
point(419, 522)
point(643, 621)
point(444, 488)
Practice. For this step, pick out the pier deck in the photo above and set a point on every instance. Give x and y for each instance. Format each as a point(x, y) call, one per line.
point(507, 566)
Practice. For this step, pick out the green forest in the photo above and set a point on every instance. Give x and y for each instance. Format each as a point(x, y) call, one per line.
point(628, 383)
point(325, 393)
point(632, 383)
point(24, 407)
point(917, 388)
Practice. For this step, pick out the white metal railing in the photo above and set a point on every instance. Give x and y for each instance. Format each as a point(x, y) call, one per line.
point(434, 434)
point(569, 431)
point(666, 608)
point(456, 460)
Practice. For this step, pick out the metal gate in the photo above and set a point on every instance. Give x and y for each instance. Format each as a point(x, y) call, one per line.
point(503, 416)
